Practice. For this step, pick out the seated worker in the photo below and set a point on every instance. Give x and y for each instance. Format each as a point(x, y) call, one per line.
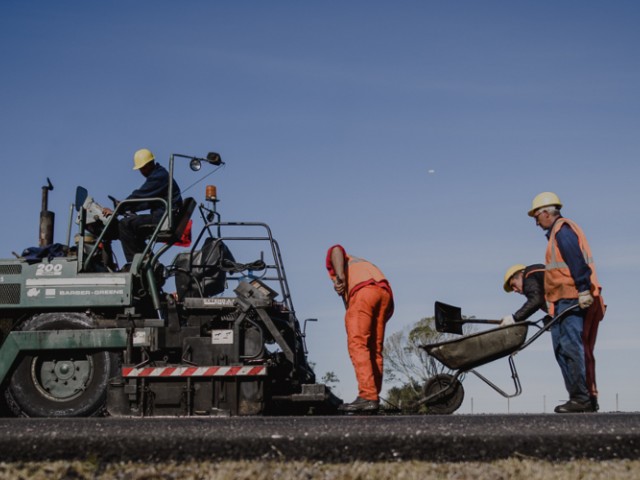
point(528, 281)
point(156, 185)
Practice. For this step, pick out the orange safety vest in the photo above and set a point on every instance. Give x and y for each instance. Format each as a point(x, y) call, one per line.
point(359, 273)
point(558, 282)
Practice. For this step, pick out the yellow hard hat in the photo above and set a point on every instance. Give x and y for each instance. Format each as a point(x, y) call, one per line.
point(141, 158)
point(544, 199)
point(511, 271)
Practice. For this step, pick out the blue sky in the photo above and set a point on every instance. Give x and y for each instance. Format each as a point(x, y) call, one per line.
point(330, 116)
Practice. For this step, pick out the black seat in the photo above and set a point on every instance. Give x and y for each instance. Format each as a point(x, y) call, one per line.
point(180, 222)
point(201, 273)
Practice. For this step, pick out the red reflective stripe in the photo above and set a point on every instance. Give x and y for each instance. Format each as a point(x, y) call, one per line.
point(193, 371)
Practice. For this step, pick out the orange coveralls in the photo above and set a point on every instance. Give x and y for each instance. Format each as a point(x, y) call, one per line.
point(369, 303)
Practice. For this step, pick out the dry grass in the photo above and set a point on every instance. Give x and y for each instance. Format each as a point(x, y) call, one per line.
point(502, 469)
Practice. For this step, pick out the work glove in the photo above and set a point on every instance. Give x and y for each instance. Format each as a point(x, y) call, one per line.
point(507, 320)
point(585, 299)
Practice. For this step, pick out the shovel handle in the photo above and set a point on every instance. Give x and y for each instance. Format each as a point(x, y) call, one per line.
point(477, 320)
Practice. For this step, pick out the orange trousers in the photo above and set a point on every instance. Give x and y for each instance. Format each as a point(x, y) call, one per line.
point(369, 309)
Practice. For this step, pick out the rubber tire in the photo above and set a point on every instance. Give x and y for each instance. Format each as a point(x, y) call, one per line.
point(449, 400)
point(26, 399)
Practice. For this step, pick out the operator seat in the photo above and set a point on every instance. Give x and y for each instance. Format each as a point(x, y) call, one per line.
point(180, 221)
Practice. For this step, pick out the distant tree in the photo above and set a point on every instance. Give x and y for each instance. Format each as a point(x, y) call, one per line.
point(330, 379)
point(404, 397)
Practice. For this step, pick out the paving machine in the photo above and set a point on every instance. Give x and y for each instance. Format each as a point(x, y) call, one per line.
point(82, 337)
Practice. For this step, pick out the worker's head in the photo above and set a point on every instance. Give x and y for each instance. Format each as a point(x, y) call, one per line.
point(143, 160)
point(513, 278)
point(545, 208)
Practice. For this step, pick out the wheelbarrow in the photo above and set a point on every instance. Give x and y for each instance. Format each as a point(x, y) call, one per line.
point(443, 393)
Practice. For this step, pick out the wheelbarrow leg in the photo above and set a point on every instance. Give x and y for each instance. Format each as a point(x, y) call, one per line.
point(514, 376)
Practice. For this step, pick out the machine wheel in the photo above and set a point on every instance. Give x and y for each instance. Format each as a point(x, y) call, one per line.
point(60, 383)
point(448, 394)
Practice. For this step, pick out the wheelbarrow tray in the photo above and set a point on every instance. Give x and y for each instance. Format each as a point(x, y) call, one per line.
point(479, 348)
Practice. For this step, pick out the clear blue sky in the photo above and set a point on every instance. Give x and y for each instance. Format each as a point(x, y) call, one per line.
point(330, 116)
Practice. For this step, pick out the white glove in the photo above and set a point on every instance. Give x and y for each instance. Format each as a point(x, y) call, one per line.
point(585, 299)
point(508, 320)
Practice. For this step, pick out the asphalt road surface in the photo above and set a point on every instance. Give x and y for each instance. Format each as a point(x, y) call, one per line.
point(331, 439)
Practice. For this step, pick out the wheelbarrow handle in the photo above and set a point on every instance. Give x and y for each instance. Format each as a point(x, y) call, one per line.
point(547, 326)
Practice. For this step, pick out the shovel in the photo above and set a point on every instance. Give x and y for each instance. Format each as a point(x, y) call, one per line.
point(449, 319)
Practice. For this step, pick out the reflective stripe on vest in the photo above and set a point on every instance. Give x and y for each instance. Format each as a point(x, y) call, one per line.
point(558, 282)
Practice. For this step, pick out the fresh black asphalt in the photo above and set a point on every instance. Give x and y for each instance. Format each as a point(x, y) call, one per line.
point(330, 439)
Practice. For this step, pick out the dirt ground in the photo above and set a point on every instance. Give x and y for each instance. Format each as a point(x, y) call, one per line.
point(503, 469)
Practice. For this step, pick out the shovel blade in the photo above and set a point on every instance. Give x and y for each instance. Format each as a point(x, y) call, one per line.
point(448, 318)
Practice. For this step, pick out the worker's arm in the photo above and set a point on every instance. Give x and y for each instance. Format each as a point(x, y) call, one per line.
point(570, 249)
point(534, 292)
point(337, 261)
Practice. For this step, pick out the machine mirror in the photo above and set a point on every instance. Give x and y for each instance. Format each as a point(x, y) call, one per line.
point(81, 196)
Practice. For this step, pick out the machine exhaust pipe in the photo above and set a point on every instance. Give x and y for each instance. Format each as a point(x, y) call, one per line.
point(47, 218)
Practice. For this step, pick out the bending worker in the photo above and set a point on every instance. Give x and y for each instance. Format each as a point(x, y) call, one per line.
point(570, 279)
point(528, 281)
point(156, 185)
point(368, 299)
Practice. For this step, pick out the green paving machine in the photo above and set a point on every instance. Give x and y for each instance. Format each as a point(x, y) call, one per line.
point(82, 337)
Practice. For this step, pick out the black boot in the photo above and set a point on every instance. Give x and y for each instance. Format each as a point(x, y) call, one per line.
point(575, 406)
point(360, 405)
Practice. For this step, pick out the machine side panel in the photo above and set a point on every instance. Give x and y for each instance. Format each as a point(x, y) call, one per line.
point(56, 284)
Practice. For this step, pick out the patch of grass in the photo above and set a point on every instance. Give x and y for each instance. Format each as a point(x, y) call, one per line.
point(502, 469)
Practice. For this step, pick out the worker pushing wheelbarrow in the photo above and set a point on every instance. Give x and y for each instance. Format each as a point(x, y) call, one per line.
point(443, 393)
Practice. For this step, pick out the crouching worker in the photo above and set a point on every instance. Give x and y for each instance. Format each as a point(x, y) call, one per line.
point(368, 299)
point(528, 281)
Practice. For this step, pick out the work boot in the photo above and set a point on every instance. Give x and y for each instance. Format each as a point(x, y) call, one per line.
point(360, 405)
point(574, 406)
point(594, 403)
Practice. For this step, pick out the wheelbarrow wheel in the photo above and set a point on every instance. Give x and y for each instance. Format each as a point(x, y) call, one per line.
point(447, 393)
